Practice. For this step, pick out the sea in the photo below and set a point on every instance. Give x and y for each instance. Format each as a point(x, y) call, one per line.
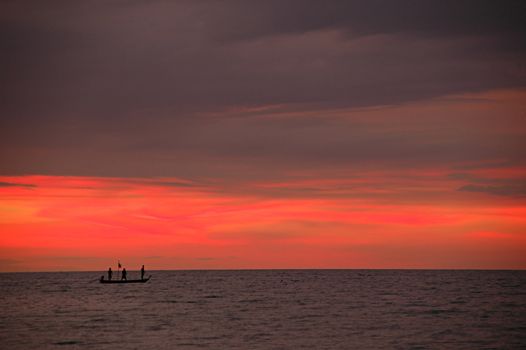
point(266, 309)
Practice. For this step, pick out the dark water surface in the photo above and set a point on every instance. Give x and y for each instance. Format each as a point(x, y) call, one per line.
point(266, 309)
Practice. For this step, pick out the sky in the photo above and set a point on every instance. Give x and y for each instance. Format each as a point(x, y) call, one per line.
point(262, 134)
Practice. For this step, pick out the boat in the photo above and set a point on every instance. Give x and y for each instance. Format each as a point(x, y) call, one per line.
point(144, 280)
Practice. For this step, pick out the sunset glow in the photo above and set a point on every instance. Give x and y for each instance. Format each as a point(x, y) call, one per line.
point(56, 222)
point(270, 134)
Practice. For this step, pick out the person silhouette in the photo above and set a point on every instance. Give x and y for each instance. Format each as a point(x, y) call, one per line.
point(124, 274)
point(110, 273)
point(142, 272)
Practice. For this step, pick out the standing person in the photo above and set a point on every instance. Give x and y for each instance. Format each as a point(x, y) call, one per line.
point(124, 274)
point(110, 273)
point(142, 272)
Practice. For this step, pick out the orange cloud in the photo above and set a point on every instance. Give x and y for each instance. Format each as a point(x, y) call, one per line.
point(65, 223)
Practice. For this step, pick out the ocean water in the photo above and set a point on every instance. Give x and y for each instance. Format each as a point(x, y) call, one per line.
point(266, 309)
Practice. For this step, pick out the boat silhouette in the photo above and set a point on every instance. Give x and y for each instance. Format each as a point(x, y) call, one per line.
point(143, 280)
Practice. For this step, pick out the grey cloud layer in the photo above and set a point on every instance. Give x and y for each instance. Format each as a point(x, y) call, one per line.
point(76, 59)
point(88, 81)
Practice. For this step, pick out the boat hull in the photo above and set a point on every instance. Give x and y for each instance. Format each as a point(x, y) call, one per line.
point(102, 280)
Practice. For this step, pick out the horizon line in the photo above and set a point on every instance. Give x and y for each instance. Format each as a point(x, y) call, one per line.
point(287, 269)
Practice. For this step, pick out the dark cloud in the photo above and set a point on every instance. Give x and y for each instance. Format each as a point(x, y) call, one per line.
point(146, 87)
point(149, 58)
point(504, 190)
point(10, 184)
point(507, 186)
point(506, 182)
point(175, 184)
point(431, 18)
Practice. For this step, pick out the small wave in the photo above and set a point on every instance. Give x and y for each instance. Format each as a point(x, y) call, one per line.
point(440, 311)
point(67, 342)
point(170, 301)
point(251, 301)
point(459, 301)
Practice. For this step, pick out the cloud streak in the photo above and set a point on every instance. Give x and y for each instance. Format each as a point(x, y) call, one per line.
point(11, 184)
point(510, 190)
